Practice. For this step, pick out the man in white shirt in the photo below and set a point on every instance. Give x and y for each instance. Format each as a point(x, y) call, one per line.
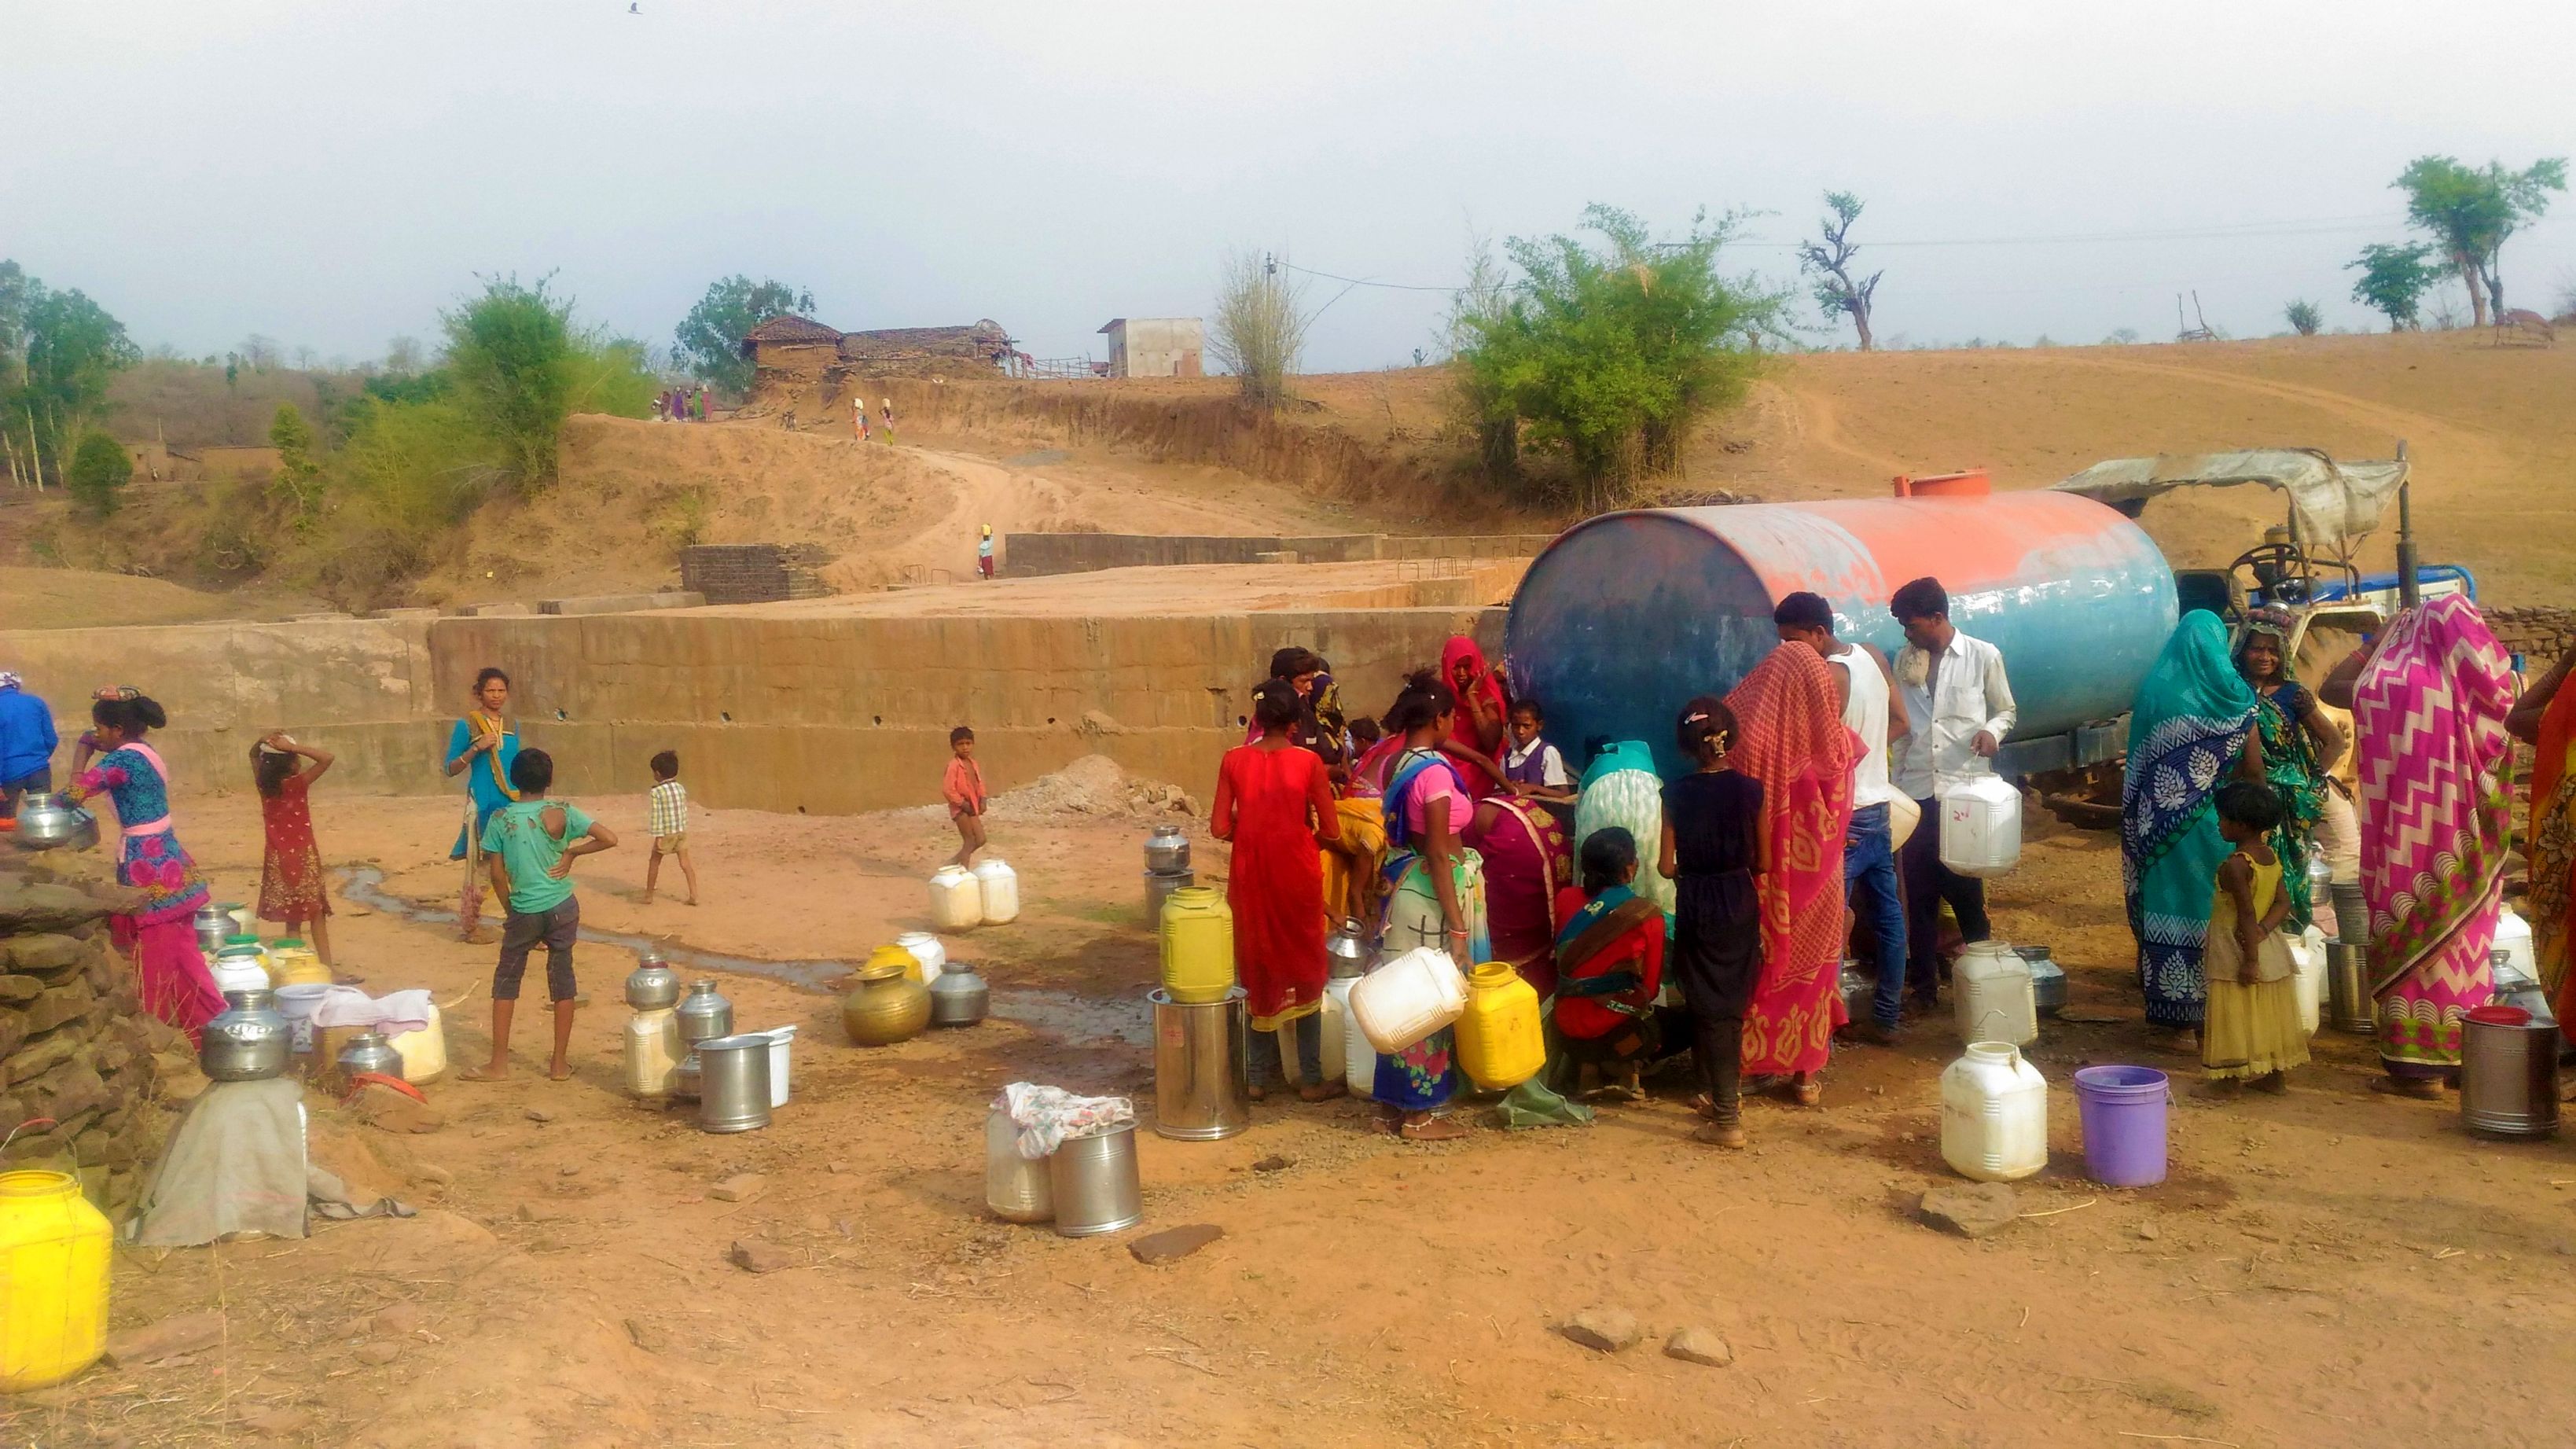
point(1862, 683)
point(1959, 707)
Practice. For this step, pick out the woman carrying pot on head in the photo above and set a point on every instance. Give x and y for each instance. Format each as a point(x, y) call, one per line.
point(170, 974)
point(481, 748)
point(2300, 747)
point(1435, 898)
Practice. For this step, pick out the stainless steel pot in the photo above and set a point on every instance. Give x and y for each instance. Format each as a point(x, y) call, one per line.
point(1094, 1183)
point(1159, 886)
point(959, 997)
point(1347, 951)
point(48, 821)
point(247, 1041)
point(703, 1013)
point(212, 924)
point(1202, 1081)
point(652, 985)
point(1860, 992)
point(685, 1079)
point(2349, 1006)
point(733, 1082)
point(2351, 913)
point(1167, 850)
point(369, 1052)
point(2047, 979)
point(2508, 1073)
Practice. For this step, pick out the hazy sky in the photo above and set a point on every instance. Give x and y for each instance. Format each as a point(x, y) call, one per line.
point(330, 174)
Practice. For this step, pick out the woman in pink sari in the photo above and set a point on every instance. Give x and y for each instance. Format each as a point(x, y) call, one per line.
point(171, 979)
point(1527, 861)
point(2436, 769)
point(1794, 741)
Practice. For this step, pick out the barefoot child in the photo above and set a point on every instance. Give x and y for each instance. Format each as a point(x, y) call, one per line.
point(530, 845)
point(669, 806)
point(290, 877)
point(2252, 1032)
point(964, 787)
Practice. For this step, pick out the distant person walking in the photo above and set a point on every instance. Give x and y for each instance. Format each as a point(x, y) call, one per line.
point(859, 418)
point(984, 553)
point(698, 407)
point(27, 742)
point(889, 418)
point(1958, 709)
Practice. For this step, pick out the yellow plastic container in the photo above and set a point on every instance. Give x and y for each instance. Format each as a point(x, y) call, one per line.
point(1197, 932)
point(292, 963)
point(1499, 1040)
point(893, 956)
point(53, 1280)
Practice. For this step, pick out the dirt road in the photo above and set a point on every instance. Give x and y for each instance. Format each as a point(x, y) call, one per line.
point(2327, 1267)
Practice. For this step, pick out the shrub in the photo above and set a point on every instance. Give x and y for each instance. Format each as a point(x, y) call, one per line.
point(99, 469)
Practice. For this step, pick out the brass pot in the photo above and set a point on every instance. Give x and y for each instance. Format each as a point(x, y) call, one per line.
point(887, 1007)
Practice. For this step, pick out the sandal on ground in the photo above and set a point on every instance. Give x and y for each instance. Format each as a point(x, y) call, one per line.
point(1720, 1134)
point(481, 1074)
point(1807, 1094)
point(1437, 1129)
point(2421, 1089)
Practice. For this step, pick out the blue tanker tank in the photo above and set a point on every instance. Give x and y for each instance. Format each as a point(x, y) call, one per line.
point(1627, 615)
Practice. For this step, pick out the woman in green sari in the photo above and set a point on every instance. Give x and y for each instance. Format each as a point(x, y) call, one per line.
point(2300, 745)
point(2191, 729)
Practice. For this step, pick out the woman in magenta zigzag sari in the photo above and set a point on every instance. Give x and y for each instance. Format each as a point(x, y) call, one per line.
point(2436, 769)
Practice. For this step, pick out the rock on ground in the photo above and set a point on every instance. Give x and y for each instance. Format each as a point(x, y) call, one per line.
point(1173, 1244)
point(1972, 1210)
point(1610, 1330)
point(1699, 1346)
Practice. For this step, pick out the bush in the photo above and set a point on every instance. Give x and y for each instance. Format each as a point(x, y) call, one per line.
point(2305, 318)
point(99, 468)
point(510, 356)
point(1260, 327)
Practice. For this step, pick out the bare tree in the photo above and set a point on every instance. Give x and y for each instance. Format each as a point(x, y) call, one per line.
point(1829, 261)
point(1260, 325)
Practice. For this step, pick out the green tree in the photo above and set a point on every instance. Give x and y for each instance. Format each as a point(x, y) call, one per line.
point(2305, 318)
point(2470, 211)
point(98, 470)
point(710, 337)
point(1828, 262)
point(510, 360)
point(2394, 280)
point(58, 350)
point(299, 478)
point(1609, 355)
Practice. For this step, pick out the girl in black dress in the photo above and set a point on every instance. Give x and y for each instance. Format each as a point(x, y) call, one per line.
point(1716, 840)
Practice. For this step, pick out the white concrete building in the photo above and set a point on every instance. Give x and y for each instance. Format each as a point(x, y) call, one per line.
point(1154, 347)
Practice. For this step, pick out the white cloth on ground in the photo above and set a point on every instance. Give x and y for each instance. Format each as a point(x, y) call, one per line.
point(236, 1164)
point(1048, 1115)
point(393, 1013)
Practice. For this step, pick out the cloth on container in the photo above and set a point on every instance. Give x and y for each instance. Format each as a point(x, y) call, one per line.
point(330, 1198)
point(1048, 1115)
point(393, 1013)
point(1531, 1104)
point(235, 1165)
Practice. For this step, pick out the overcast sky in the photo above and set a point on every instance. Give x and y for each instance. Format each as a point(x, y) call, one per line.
point(330, 174)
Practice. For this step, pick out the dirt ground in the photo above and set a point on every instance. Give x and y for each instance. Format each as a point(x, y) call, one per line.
point(2332, 1266)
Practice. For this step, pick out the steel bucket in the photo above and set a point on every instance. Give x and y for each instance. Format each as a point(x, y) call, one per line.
point(2351, 912)
point(1159, 885)
point(1094, 1183)
point(733, 1082)
point(2348, 1004)
point(1202, 1082)
point(2508, 1073)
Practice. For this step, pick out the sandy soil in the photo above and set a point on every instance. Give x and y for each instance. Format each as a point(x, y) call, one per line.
point(46, 598)
point(2328, 1267)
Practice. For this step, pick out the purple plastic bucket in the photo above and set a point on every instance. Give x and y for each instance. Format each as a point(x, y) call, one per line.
point(2123, 1110)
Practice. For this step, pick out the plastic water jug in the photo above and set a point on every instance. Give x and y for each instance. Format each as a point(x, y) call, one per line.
point(1991, 989)
point(1980, 825)
point(2512, 953)
point(1197, 933)
point(927, 951)
point(956, 899)
point(424, 1052)
point(1001, 887)
point(53, 1265)
point(292, 963)
point(1499, 1039)
point(1408, 998)
point(2308, 954)
point(1017, 1189)
point(1338, 1033)
point(652, 1052)
point(238, 968)
point(781, 1040)
point(1359, 1059)
point(1994, 1115)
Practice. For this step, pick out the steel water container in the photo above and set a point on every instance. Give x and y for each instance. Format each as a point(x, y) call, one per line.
point(1202, 1080)
point(2349, 1006)
point(1094, 1183)
point(1628, 614)
point(2508, 1073)
point(733, 1082)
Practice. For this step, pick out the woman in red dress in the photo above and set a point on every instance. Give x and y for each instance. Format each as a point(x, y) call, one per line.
point(291, 888)
point(1274, 803)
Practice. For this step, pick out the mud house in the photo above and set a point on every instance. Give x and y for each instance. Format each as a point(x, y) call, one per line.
point(1154, 347)
point(801, 348)
point(793, 345)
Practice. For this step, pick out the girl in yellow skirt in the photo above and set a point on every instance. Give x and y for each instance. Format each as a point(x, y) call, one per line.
point(2252, 1032)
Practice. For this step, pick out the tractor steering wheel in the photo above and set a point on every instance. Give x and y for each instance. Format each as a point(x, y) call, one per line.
point(2292, 574)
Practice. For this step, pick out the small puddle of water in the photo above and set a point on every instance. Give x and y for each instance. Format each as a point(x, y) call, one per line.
point(1062, 1014)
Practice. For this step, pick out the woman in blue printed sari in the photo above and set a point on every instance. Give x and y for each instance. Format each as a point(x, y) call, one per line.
point(1435, 897)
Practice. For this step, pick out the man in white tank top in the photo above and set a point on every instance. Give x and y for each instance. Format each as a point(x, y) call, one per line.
point(1862, 681)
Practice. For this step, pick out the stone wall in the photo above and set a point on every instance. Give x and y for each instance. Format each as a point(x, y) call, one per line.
point(2539, 634)
point(74, 1045)
point(1033, 555)
point(754, 573)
